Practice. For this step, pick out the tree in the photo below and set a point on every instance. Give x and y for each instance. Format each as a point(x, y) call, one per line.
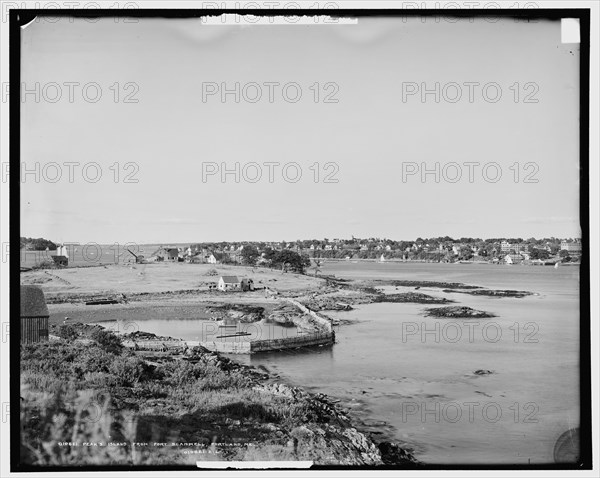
point(250, 255)
point(539, 254)
point(288, 259)
point(317, 266)
point(564, 254)
point(39, 244)
point(465, 254)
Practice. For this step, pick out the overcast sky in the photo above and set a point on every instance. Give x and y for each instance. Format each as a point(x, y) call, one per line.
point(371, 133)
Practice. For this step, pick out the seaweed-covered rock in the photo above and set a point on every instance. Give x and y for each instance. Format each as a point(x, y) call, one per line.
point(457, 312)
point(483, 372)
point(493, 293)
point(393, 454)
point(285, 315)
point(237, 312)
point(412, 297)
point(426, 283)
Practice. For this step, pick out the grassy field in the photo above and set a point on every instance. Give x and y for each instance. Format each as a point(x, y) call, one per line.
point(157, 278)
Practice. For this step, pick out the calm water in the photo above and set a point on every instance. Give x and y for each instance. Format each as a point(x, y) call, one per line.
point(416, 374)
point(412, 378)
point(204, 330)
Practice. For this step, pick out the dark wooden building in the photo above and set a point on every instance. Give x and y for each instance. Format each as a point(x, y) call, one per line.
point(34, 315)
point(247, 284)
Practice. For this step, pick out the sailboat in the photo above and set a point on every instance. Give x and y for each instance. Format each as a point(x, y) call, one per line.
point(556, 265)
point(382, 259)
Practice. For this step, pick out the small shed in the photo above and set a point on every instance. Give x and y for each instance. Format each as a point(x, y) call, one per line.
point(247, 284)
point(34, 315)
point(228, 283)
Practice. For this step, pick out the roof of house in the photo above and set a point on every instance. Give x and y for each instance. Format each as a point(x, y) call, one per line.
point(230, 279)
point(33, 302)
point(514, 256)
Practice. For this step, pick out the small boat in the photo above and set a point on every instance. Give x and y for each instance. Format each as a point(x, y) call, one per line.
point(556, 265)
point(382, 259)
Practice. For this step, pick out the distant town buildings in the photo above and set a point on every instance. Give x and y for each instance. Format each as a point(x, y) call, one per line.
point(570, 246)
point(167, 254)
point(513, 259)
point(516, 248)
point(436, 249)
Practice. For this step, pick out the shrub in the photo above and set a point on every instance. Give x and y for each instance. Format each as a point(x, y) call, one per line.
point(67, 332)
point(45, 264)
point(108, 341)
point(101, 379)
point(129, 371)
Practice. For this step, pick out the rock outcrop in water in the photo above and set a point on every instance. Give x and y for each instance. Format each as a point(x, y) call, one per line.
point(426, 283)
point(492, 293)
point(457, 312)
point(413, 298)
point(483, 372)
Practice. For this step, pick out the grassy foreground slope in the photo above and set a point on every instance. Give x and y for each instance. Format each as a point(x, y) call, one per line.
point(93, 402)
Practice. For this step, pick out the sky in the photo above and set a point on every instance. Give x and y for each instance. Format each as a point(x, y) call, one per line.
point(374, 141)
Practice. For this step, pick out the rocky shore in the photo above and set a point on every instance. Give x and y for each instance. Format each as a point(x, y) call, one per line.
point(321, 430)
point(278, 421)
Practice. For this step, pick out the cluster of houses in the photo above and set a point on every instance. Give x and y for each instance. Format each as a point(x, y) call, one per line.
point(180, 254)
point(198, 255)
point(437, 249)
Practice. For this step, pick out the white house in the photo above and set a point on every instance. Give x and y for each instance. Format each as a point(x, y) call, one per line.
point(211, 259)
point(228, 283)
point(513, 259)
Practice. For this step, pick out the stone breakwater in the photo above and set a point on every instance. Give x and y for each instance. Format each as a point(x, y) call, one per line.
point(317, 331)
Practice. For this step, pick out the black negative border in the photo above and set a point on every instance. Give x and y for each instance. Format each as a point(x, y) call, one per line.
point(18, 17)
